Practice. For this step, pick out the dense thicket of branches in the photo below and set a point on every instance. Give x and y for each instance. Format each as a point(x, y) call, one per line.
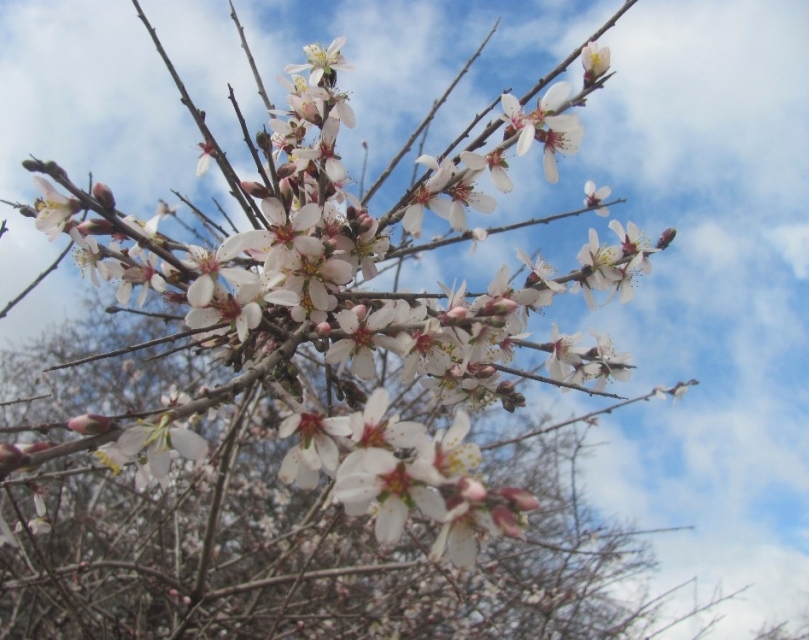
point(120, 561)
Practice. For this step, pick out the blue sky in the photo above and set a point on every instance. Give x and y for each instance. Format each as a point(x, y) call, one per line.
point(704, 127)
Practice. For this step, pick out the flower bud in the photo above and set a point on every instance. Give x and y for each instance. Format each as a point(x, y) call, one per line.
point(503, 307)
point(323, 329)
point(471, 490)
point(486, 372)
point(507, 522)
point(330, 244)
point(9, 453)
point(28, 448)
point(103, 194)
point(365, 222)
point(256, 189)
point(521, 499)
point(263, 140)
point(89, 424)
point(285, 171)
point(454, 314)
point(666, 238)
point(505, 388)
point(95, 227)
point(55, 171)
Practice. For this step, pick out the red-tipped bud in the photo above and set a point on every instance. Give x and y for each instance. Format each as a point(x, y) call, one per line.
point(361, 311)
point(95, 227)
point(285, 171)
point(666, 238)
point(505, 388)
point(521, 499)
point(486, 372)
point(471, 490)
point(34, 447)
point(323, 329)
point(103, 194)
point(256, 189)
point(9, 453)
point(365, 221)
point(331, 245)
point(89, 424)
point(507, 522)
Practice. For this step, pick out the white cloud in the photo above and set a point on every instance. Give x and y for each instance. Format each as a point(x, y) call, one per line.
point(792, 241)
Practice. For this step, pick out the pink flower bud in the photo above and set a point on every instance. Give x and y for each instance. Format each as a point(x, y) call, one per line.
point(456, 313)
point(506, 521)
point(471, 490)
point(486, 372)
point(361, 311)
point(521, 499)
point(9, 453)
point(503, 307)
point(34, 447)
point(103, 194)
point(365, 222)
point(323, 329)
point(666, 238)
point(95, 227)
point(284, 172)
point(89, 424)
point(255, 189)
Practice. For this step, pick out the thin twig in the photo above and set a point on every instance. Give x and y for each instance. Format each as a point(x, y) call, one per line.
point(436, 106)
point(557, 383)
point(136, 347)
point(38, 280)
point(248, 206)
point(469, 235)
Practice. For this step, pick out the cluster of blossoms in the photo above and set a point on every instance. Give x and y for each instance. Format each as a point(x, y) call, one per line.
point(297, 272)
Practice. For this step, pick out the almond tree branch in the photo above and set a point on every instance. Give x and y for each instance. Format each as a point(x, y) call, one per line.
point(251, 61)
point(227, 456)
point(557, 383)
point(248, 206)
point(468, 235)
point(137, 347)
point(311, 575)
point(494, 125)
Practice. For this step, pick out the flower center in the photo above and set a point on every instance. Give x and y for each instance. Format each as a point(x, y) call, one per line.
point(397, 481)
